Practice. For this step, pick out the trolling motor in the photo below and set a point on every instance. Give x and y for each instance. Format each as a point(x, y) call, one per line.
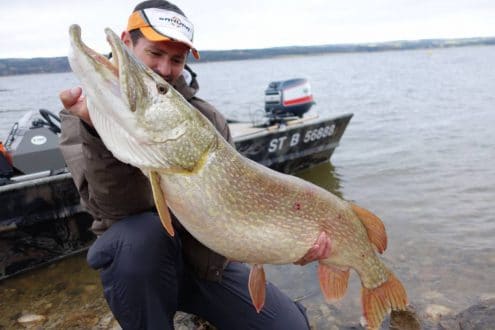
point(288, 98)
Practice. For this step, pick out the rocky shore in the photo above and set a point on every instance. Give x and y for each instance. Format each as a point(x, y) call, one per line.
point(477, 317)
point(67, 295)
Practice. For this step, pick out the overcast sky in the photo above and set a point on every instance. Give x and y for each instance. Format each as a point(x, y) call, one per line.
point(39, 28)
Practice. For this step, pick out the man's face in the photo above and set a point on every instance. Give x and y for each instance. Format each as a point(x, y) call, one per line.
point(167, 58)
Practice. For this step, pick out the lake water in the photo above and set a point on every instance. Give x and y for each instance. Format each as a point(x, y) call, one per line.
point(418, 152)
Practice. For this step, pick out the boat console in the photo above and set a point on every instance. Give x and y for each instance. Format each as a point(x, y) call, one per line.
point(32, 146)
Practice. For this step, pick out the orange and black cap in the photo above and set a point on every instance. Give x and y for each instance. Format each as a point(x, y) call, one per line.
point(157, 24)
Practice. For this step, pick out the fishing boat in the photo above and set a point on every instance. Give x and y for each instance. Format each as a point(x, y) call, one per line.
point(41, 218)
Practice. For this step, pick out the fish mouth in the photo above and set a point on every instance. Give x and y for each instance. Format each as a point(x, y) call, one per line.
point(101, 60)
point(108, 71)
point(124, 75)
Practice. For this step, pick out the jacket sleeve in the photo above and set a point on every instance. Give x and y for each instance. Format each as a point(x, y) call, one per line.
point(109, 189)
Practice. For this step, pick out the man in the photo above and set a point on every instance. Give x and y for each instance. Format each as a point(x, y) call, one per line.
point(147, 275)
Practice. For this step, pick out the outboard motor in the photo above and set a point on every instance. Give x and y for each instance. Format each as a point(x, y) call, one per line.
point(288, 98)
point(33, 144)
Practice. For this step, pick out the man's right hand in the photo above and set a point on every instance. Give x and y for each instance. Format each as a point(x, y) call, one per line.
point(320, 250)
point(74, 102)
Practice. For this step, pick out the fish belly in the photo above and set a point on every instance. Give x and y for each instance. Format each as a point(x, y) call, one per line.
point(245, 211)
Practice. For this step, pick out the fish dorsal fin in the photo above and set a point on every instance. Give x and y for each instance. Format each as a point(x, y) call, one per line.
point(374, 227)
point(160, 202)
point(257, 286)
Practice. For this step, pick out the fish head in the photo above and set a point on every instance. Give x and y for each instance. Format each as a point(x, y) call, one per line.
point(140, 117)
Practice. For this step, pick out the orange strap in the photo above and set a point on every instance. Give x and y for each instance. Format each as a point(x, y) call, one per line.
point(5, 153)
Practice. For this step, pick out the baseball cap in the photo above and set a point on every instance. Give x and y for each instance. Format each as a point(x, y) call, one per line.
point(158, 24)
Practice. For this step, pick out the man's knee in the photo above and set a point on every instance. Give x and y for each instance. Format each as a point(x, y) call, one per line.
point(140, 266)
point(137, 243)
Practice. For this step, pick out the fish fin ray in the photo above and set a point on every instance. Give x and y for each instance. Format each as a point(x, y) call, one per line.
point(379, 301)
point(257, 286)
point(333, 281)
point(374, 227)
point(160, 202)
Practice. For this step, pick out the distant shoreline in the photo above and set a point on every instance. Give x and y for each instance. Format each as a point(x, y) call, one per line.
point(19, 66)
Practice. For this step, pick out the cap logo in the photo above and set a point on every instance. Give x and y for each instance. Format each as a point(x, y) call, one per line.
point(167, 21)
point(176, 21)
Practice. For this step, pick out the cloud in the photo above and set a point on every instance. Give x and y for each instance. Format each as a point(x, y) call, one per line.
point(39, 28)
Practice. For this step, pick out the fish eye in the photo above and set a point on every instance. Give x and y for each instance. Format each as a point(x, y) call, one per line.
point(162, 89)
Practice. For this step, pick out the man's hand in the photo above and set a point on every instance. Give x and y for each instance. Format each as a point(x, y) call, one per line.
point(320, 250)
point(75, 103)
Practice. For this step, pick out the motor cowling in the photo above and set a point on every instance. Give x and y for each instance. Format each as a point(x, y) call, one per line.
point(288, 98)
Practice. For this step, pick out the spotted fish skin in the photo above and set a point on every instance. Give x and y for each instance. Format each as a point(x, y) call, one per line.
point(235, 206)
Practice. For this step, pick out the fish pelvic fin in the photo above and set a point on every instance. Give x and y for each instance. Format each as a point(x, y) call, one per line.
point(160, 202)
point(379, 301)
point(374, 227)
point(333, 281)
point(257, 286)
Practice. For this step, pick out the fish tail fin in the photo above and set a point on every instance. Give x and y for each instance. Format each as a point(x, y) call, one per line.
point(374, 227)
point(379, 301)
point(333, 281)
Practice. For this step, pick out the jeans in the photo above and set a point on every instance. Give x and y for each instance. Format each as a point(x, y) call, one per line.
point(145, 281)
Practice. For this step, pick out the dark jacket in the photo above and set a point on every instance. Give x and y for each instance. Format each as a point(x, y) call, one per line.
point(111, 190)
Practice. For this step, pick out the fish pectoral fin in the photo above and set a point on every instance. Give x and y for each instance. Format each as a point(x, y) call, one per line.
point(257, 286)
point(160, 202)
point(374, 227)
point(378, 302)
point(333, 281)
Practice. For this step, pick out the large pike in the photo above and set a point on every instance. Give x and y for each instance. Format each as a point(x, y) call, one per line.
point(231, 204)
